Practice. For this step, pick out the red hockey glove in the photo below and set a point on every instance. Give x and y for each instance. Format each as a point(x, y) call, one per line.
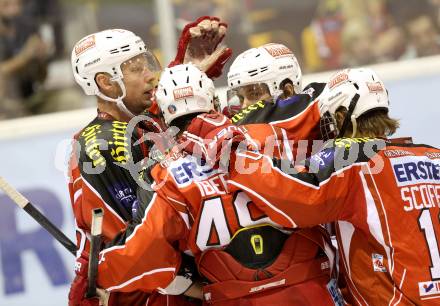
point(212, 136)
point(199, 43)
point(78, 287)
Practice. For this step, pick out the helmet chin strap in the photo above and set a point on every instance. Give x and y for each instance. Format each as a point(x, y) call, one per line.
point(354, 124)
point(349, 117)
point(124, 108)
point(118, 100)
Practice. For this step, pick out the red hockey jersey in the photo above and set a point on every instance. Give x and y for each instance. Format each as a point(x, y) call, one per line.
point(385, 198)
point(191, 210)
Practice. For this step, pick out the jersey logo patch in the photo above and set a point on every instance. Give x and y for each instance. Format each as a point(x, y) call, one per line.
point(323, 159)
point(378, 265)
point(335, 293)
point(429, 288)
point(257, 244)
point(246, 111)
point(410, 170)
point(186, 170)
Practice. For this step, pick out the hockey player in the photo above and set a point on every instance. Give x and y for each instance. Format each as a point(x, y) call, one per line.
point(116, 66)
point(246, 257)
point(269, 80)
point(383, 195)
point(266, 85)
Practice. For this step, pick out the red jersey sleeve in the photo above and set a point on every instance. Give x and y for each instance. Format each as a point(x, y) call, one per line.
point(149, 259)
point(298, 199)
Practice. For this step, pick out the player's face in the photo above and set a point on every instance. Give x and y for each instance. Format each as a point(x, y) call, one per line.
point(253, 93)
point(141, 74)
point(244, 96)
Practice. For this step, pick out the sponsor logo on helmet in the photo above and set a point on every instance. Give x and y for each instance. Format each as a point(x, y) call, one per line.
point(182, 93)
point(232, 78)
point(286, 67)
point(337, 80)
point(172, 109)
point(375, 87)
point(85, 44)
point(92, 62)
point(277, 50)
point(336, 95)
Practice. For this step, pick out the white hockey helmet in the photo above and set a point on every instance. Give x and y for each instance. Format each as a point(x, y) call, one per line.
point(270, 64)
point(359, 90)
point(105, 51)
point(183, 90)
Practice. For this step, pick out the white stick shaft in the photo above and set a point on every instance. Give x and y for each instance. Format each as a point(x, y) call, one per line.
point(27, 206)
point(12, 193)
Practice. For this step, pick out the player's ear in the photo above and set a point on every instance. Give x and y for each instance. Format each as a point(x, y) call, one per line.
point(103, 81)
point(106, 85)
point(288, 90)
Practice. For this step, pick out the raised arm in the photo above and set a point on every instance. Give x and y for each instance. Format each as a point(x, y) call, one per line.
point(316, 195)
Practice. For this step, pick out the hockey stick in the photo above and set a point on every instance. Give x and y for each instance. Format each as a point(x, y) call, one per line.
point(27, 206)
point(95, 247)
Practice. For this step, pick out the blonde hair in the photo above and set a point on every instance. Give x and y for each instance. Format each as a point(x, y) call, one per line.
point(375, 123)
